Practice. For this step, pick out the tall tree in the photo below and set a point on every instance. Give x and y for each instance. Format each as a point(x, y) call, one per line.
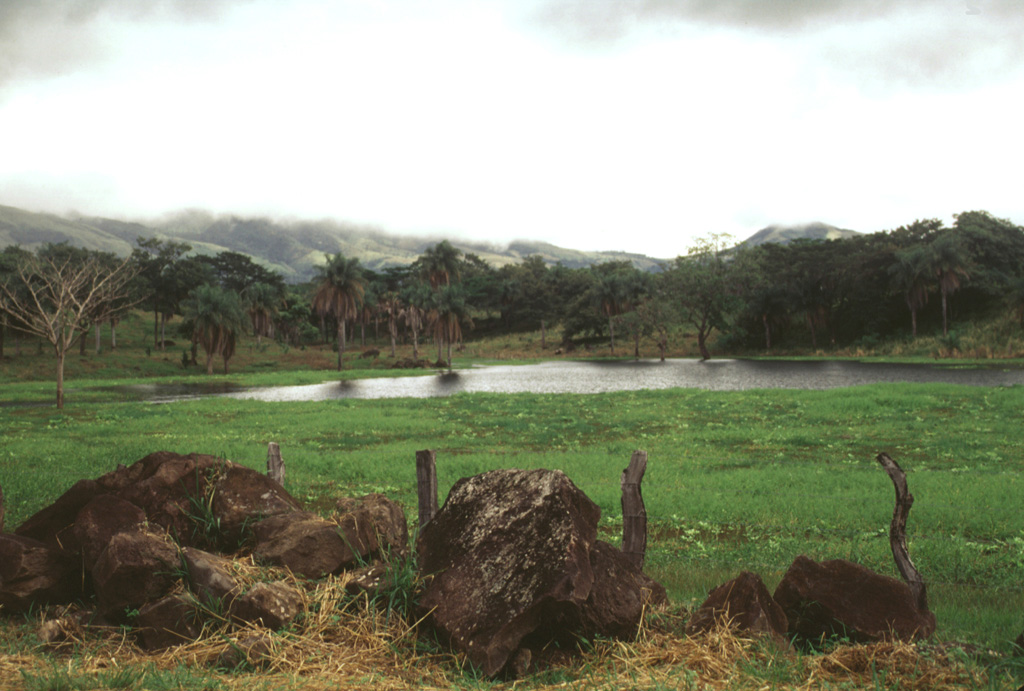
point(262, 301)
point(217, 316)
point(911, 278)
point(339, 293)
point(449, 313)
point(949, 262)
point(706, 287)
point(439, 265)
point(54, 295)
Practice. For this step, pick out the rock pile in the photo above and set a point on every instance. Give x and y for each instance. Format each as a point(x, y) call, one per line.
point(143, 541)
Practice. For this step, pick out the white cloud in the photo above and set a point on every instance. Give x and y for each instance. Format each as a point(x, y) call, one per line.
point(675, 121)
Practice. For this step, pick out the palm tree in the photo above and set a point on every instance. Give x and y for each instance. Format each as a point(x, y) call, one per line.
point(261, 302)
point(216, 316)
point(949, 264)
point(448, 313)
point(910, 275)
point(391, 307)
point(440, 264)
point(339, 293)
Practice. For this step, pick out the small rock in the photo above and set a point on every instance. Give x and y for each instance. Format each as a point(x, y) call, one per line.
point(169, 621)
point(272, 605)
point(99, 520)
point(745, 603)
point(209, 576)
point(253, 649)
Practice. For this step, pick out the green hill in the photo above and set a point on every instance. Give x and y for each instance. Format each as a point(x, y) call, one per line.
point(294, 248)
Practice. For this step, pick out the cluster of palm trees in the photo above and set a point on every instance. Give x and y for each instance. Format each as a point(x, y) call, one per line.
point(341, 295)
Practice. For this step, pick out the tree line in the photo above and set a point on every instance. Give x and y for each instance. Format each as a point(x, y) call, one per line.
point(805, 294)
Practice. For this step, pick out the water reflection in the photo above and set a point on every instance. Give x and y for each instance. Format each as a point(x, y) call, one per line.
point(584, 377)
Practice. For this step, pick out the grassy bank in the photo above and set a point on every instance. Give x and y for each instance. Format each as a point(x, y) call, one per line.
point(736, 481)
point(743, 480)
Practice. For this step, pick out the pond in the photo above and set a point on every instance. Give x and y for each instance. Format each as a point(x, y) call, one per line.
point(587, 377)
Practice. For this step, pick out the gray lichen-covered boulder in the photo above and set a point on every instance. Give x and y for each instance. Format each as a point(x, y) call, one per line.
point(510, 556)
point(745, 604)
point(34, 573)
point(841, 598)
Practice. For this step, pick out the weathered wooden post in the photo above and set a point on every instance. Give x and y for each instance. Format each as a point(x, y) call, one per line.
point(275, 465)
point(634, 515)
point(898, 531)
point(426, 485)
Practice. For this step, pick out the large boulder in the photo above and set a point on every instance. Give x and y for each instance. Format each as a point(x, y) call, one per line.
point(103, 517)
point(841, 598)
point(135, 568)
point(34, 573)
point(507, 555)
point(199, 499)
point(743, 603)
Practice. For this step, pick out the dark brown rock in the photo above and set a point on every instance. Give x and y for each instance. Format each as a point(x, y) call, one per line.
point(209, 576)
point(375, 526)
point(33, 573)
point(1018, 646)
point(272, 605)
point(242, 497)
point(840, 598)
point(135, 568)
point(745, 604)
point(303, 542)
point(251, 649)
point(169, 621)
point(104, 516)
point(508, 551)
point(619, 596)
point(3, 510)
point(53, 525)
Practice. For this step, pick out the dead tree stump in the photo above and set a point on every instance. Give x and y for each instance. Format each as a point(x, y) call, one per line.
point(426, 485)
point(898, 529)
point(634, 515)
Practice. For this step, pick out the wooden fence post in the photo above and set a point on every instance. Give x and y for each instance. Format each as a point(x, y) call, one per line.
point(634, 515)
point(898, 531)
point(426, 485)
point(275, 465)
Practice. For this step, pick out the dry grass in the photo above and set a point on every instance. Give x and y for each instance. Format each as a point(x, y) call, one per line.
point(345, 642)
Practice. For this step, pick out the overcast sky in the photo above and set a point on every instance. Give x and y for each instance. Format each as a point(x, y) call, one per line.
point(592, 124)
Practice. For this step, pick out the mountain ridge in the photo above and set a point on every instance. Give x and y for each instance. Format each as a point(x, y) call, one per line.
point(295, 248)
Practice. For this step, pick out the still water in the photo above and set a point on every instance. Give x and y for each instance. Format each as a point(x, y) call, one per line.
point(599, 377)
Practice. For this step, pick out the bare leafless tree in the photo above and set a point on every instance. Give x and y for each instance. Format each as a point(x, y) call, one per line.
point(57, 297)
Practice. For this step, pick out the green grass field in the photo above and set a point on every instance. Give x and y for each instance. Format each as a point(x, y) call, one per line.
point(735, 481)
